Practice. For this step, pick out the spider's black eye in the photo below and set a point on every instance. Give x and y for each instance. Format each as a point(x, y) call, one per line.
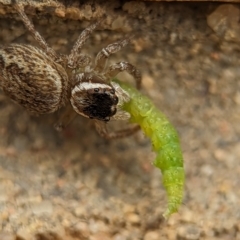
point(96, 89)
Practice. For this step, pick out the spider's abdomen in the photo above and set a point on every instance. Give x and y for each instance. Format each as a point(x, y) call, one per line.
point(32, 79)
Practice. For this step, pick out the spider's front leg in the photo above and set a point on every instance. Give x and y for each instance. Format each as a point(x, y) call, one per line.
point(116, 68)
point(104, 54)
point(85, 34)
point(113, 70)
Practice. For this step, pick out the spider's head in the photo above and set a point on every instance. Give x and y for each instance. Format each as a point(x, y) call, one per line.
point(94, 99)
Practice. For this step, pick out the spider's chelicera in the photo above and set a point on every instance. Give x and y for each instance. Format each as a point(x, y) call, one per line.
point(43, 81)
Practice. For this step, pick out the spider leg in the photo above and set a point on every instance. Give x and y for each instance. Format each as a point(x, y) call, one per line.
point(28, 24)
point(65, 118)
point(103, 55)
point(85, 34)
point(116, 68)
point(101, 128)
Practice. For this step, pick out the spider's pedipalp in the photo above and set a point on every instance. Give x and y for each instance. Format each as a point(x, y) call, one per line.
point(103, 55)
point(101, 128)
point(116, 68)
point(28, 24)
point(85, 34)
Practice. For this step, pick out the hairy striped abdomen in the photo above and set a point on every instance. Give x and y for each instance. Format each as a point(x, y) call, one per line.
point(165, 143)
point(32, 79)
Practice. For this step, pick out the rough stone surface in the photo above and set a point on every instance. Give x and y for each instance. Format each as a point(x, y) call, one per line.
point(75, 185)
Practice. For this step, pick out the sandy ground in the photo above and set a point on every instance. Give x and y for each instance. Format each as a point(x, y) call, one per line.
point(76, 185)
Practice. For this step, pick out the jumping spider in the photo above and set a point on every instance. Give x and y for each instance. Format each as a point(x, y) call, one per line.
point(43, 81)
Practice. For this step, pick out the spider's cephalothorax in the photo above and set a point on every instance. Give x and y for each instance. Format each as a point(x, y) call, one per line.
point(94, 99)
point(43, 81)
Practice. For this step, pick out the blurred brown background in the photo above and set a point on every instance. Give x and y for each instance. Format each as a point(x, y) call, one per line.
point(76, 185)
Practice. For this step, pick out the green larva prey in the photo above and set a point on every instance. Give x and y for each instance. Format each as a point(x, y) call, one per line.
point(165, 143)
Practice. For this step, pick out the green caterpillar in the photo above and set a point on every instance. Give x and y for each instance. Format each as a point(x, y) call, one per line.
point(165, 143)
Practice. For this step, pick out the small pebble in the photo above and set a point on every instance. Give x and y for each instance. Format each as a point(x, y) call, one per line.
point(189, 232)
point(44, 207)
point(152, 235)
